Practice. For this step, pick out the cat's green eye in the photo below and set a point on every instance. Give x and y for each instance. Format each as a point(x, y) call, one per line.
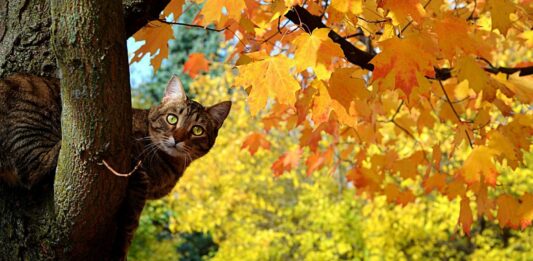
point(197, 130)
point(172, 119)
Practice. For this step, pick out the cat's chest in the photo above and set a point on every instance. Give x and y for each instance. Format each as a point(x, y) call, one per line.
point(163, 174)
point(162, 184)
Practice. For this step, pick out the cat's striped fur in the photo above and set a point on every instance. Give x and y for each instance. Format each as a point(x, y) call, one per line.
point(167, 138)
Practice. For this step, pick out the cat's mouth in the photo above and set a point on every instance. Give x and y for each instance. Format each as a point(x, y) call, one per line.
point(172, 148)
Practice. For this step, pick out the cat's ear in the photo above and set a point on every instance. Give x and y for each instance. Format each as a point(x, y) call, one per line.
point(175, 90)
point(219, 112)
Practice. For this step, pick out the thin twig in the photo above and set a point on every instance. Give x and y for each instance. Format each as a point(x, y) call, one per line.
point(455, 112)
point(411, 21)
point(374, 21)
point(450, 102)
point(122, 174)
point(193, 26)
point(471, 16)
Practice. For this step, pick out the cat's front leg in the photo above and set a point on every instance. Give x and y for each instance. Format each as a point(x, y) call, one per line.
point(130, 212)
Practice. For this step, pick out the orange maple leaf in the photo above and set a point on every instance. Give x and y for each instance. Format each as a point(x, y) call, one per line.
point(454, 37)
point(508, 214)
point(255, 141)
point(398, 66)
point(465, 215)
point(175, 7)
point(195, 64)
point(286, 162)
point(156, 36)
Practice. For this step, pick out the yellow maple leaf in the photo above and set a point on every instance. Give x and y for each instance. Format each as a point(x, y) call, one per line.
point(479, 164)
point(521, 86)
point(321, 103)
point(269, 77)
point(218, 11)
point(403, 10)
point(528, 36)
point(316, 51)
point(156, 36)
point(468, 69)
point(500, 11)
point(504, 147)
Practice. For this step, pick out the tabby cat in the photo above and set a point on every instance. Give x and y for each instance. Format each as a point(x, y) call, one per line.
point(167, 138)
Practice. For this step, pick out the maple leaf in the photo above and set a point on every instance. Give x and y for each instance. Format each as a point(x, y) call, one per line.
point(454, 37)
point(318, 160)
point(521, 86)
point(269, 77)
point(454, 189)
point(504, 147)
point(468, 69)
point(175, 8)
point(479, 164)
point(392, 192)
point(195, 63)
point(500, 12)
point(397, 67)
point(156, 36)
point(365, 180)
point(484, 204)
point(437, 182)
point(408, 167)
point(528, 37)
point(402, 10)
point(321, 103)
point(218, 11)
point(286, 162)
point(507, 211)
point(405, 197)
point(255, 141)
point(346, 86)
point(465, 215)
point(316, 51)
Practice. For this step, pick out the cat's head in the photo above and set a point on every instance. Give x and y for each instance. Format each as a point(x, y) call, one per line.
point(182, 127)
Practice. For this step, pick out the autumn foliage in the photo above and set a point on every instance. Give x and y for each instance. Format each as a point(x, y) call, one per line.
point(429, 94)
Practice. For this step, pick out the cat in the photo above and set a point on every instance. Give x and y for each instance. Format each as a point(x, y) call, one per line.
point(167, 138)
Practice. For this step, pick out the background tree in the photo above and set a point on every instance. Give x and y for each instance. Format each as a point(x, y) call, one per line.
point(364, 74)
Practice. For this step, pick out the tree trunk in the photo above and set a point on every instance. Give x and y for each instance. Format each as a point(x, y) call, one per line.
point(89, 42)
point(73, 216)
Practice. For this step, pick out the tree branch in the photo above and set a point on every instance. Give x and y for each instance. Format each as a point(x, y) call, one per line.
point(308, 22)
point(300, 16)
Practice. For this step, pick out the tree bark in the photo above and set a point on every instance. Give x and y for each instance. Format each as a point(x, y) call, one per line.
point(25, 32)
point(72, 217)
point(89, 42)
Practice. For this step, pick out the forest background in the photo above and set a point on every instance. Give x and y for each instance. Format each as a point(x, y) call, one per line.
point(231, 206)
